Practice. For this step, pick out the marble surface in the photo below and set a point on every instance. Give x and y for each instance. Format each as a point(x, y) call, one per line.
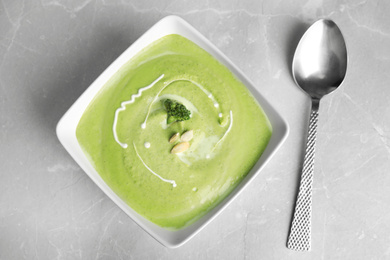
point(52, 50)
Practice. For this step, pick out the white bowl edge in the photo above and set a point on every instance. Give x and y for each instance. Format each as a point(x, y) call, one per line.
point(66, 128)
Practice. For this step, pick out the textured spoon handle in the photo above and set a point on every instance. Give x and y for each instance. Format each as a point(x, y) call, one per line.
point(300, 234)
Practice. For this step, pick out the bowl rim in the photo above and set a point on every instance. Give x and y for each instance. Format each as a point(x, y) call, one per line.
point(66, 128)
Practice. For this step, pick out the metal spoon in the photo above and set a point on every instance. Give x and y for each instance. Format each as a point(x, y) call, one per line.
point(319, 67)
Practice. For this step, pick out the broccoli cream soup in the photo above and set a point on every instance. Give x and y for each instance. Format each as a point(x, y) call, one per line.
point(173, 132)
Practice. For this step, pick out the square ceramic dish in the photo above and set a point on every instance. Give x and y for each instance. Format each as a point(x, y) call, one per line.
point(66, 128)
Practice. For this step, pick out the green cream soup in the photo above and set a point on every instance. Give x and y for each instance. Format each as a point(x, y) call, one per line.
point(124, 132)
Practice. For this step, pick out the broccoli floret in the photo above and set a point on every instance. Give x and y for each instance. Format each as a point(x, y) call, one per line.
point(176, 111)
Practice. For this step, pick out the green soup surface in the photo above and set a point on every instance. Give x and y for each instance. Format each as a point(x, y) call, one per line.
point(124, 132)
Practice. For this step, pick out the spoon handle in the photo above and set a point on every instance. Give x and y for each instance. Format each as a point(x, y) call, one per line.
point(300, 234)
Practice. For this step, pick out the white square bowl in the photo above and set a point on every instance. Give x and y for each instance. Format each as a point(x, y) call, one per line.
point(66, 128)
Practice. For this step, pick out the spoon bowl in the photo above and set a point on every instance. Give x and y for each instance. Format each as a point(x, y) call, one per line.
point(319, 67)
point(320, 60)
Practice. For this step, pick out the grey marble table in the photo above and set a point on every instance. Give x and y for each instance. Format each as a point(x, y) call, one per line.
point(51, 51)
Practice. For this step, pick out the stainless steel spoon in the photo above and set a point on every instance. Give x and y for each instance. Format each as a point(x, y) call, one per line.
point(319, 67)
